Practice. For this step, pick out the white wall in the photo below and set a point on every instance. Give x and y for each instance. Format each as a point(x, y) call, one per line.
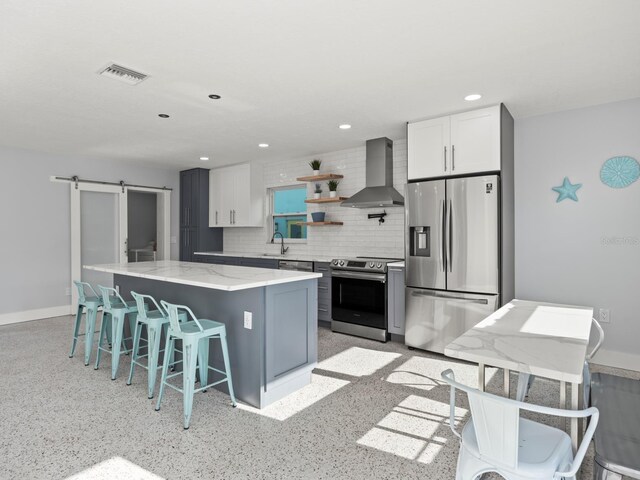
point(35, 241)
point(564, 251)
point(358, 235)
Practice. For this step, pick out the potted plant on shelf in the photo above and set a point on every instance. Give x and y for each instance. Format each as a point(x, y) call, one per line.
point(333, 187)
point(315, 166)
point(317, 217)
point(317, 191)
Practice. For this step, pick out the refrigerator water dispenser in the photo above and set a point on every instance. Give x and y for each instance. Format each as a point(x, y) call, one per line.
point(420, 241)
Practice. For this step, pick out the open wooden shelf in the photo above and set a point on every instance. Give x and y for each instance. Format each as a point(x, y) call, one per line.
point(326, 199)
point(319, 224)
point(320, 178)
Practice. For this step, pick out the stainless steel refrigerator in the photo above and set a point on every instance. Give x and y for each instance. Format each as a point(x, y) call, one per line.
point(452, 258)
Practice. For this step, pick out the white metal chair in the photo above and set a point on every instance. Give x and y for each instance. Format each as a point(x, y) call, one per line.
point(496, 439)
point(526, 379)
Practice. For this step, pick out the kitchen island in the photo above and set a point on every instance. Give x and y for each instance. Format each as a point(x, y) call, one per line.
point(270, 318)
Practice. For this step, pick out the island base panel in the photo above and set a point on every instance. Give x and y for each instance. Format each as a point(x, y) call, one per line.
point(284, 315)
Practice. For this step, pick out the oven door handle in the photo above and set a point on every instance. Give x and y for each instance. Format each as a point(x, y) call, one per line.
point(374, 277)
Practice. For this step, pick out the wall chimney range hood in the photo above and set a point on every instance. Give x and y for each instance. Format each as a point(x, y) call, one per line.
point(379, 191)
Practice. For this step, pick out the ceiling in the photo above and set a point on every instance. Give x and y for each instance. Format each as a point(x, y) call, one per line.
point(290, 71)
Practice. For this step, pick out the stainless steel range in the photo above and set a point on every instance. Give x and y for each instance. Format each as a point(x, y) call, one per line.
point(359, 296)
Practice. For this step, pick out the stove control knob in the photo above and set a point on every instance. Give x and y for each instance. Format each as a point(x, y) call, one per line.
point(371, 264)
point(341, 263)
point(335, 262)
point(379, 265)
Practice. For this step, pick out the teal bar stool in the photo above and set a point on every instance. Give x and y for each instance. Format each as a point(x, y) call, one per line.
point(117, 308)
point(195, 336)
point(87, 299)
point(156, 321)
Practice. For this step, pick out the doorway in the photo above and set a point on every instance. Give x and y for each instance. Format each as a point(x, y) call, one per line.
point(100, 227)
point(142, 226)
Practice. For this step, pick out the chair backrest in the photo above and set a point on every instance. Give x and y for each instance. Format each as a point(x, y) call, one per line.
point(108, 296)
point(82, 298)
point(600, 339)
point(496, 422)
point(174, 321)
point(139, 298)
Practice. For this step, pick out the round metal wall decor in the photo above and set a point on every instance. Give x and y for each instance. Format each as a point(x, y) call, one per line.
point(620, 172)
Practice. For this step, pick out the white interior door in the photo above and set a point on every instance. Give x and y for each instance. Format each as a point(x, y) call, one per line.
point(99, 234)
point(98, 230)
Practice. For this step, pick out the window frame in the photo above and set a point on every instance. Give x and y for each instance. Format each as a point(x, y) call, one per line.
point(270, 215)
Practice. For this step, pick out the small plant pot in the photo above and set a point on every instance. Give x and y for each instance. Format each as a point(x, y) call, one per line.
point(316, 196)
point(316, 172)
point(317, 216)
point(333, 194)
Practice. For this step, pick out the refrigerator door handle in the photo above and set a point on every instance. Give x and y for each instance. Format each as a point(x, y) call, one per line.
point(449, 231)
point(442, 237)
point(481, 301)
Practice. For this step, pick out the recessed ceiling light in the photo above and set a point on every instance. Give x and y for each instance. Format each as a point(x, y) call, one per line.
point(163, 115)
point(204, 159)
point(472, 97)
point(215, 97)
point(263, 145)
point(344, 126)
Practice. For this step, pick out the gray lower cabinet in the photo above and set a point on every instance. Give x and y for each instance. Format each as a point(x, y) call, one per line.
point(395, 303)
point(259, 262)
point(324, 291)
point(241, 261)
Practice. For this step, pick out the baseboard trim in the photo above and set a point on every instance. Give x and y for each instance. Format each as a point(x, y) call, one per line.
point(38, 314)
point(611, 358)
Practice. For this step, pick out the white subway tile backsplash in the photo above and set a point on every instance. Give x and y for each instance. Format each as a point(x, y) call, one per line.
point(358, 235)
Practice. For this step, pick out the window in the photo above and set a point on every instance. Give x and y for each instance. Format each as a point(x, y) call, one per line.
point(288, 212)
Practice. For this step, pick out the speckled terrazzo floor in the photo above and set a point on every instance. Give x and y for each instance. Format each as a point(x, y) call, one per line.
point(373, 411)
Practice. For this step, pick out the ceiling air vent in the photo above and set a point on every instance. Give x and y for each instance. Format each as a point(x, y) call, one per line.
point(123, 74)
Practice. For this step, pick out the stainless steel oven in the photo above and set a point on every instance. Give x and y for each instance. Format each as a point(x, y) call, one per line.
point(359, 297)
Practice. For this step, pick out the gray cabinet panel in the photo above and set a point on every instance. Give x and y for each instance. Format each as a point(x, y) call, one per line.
point(324, 291)
point(395, 303)
point(259, 262)
point(290, 334)
point(195, 234)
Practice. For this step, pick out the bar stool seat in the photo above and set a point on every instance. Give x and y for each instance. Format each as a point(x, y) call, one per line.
point(195, 335)
point(91, 303)
point(155, 322)
point(118, 308)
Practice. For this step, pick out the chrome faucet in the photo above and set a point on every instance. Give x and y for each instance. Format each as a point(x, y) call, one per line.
point(283, 249)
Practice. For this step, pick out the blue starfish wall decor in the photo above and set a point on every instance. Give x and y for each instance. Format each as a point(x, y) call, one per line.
point(567, 190)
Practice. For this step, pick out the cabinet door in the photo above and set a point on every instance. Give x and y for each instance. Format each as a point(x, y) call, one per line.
point(227, 187)
point(475, 141)
point(194, 197)
point(428, 148)
point(241, 208)
point(188, 243)
point(215, 198)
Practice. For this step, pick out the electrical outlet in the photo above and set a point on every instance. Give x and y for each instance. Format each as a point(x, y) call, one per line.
point(173, 240)
point(248, 320)
point(605, 316)
point(67, 291)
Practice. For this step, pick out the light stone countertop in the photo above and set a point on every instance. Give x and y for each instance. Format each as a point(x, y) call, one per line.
point(543, 339)
point(292, 256)
point(218, 277)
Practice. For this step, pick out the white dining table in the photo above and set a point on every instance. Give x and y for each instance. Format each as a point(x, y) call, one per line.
point(542, 339)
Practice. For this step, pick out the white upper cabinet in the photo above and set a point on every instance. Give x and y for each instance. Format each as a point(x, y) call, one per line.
point(428, 147)
point(455, 145)
point(236, 197)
